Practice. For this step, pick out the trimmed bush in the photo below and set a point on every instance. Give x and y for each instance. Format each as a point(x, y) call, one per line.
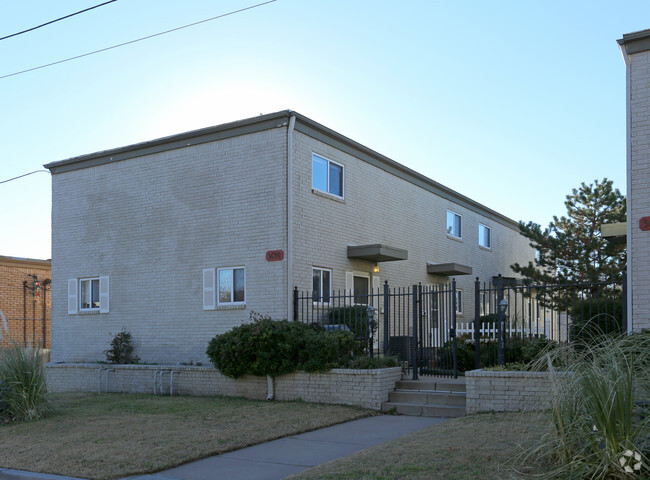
point(121, 351)
point(270, 347)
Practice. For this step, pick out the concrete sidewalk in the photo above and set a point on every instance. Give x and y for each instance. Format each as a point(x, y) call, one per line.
point(280, 458)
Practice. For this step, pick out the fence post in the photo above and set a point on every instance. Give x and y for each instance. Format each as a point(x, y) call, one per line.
point(501, 324)
point(452, 330)
point(414, 345)
point(295, 304)
point(386, 316)
point(624, 301)
point(477, 321)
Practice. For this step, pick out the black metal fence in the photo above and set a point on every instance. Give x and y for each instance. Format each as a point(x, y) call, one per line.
point(416, 324)
point(509, 315)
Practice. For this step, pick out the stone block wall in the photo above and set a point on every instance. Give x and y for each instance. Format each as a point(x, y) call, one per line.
point(362, 388)
point(489, 391)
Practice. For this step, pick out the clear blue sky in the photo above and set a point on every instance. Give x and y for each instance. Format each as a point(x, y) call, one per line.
point(512, 103)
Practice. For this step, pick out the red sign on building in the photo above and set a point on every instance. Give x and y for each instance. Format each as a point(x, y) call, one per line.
point(274, 255)
point(644, 224)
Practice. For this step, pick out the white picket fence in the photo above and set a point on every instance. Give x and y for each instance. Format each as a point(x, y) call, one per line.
point(490, 330)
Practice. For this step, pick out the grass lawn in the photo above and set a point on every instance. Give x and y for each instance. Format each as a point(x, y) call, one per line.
point(114, 435)
point(468, 448)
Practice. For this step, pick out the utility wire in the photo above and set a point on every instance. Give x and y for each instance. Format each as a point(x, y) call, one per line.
point(21, 176)
point(58, 19)
point(138, 39)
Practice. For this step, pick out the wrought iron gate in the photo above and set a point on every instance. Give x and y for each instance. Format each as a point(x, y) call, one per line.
point(417, 324)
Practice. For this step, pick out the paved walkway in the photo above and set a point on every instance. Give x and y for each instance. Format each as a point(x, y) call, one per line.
point(280, 458)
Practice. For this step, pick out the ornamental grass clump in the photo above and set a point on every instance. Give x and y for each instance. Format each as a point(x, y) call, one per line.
point(23, 391)
point(600, 411)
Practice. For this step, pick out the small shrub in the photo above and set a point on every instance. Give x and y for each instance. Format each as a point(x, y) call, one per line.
point(121, 351)
point(355, 318)
point(593, 318)
point(23, 391)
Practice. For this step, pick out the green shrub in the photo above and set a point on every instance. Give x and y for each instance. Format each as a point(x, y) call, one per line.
point(599, 423)
point(592, 318)
point(270, 347)
point(121, 351)
point(355, 317)
point(23, 391)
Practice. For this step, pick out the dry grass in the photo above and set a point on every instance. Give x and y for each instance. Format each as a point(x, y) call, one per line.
point(115, 435)
point(469, 448)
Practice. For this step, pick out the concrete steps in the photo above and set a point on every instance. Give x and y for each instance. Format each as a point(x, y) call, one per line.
point(431, 397)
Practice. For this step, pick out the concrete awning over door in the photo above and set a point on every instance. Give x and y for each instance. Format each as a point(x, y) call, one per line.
point(377, 253)
point(448, 269)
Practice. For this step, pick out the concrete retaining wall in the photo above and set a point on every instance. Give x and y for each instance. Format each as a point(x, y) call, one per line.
point(489, 391)
point(362, 388)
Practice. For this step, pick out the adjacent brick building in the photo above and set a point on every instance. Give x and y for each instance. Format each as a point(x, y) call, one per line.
point(177, 239)
point(25, 301)
point(636, 52)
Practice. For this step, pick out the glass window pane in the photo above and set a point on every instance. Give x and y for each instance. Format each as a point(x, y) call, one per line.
point(316, 291)
point(336, 179)
point(95, 293)
point(326, 286)
point(239, 282)
point(319, 173)
point(450, 223)
point(361, 290)
point(225, 286)
point(457, 225)
point(85, 294)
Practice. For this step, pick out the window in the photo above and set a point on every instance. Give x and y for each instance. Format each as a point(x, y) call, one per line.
point(361, 290)
point(459, 302)
point(231, 285)
point(88, 295)
point(453, 224)
point(327, 176)
point(322, 279)
point(484, 236)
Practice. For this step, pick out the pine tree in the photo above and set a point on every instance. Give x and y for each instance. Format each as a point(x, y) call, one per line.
point(571, 249)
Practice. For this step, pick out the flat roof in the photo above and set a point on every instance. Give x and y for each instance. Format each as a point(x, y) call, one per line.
point(24, 262)
point(636, 42)
point(278, 120)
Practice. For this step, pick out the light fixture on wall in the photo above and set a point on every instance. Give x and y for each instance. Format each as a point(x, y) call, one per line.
point(375, 269)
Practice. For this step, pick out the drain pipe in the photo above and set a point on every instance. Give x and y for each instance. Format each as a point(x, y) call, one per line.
point(171, 381)
point(292, 124)
point(155, 379)
point(106, 378)
point(100, 380)
point(270, 389)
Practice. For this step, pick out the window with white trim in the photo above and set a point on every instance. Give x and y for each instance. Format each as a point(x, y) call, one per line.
point(322, 285)
point(454, 224)
point(326, 175)
point(231, 286)
point(88, 295)
point(459, 302)
point(484, 236)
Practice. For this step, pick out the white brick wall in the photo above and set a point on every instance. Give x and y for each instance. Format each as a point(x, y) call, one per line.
point(488, 391)
point(638, 189)
point(151, 224)
point(381, 208)
point(362, 388)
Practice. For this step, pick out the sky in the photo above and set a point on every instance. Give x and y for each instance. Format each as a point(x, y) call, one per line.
point(511, 103)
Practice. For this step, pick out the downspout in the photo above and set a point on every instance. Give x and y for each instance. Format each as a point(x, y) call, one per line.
point(628, 159)
point(292, 124)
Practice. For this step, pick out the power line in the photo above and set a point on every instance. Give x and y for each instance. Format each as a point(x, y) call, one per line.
point(138, 39)
point(24, 175)
point(58, 19)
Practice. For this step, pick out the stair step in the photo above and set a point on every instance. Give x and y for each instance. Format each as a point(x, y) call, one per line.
point(424, 410)
point(449, 385)
point(428, 397)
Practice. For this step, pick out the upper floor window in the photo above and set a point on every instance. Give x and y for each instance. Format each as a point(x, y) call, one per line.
point(231, 285)
point(484, 236)
point(327, 176)
point(322, 285)
point(453, 224)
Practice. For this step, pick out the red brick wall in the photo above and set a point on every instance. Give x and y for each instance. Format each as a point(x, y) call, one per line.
point(25, 313)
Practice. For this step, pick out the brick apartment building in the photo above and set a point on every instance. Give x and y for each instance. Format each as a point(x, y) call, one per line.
point(177, 239)
point(25, 301)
